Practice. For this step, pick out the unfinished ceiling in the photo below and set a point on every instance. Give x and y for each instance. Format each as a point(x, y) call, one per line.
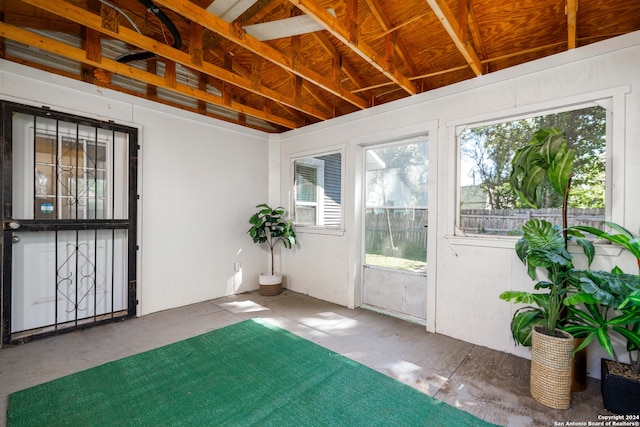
point(282, 64)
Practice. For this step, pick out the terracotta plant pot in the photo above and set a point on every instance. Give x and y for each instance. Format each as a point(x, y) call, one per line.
point(551, 372)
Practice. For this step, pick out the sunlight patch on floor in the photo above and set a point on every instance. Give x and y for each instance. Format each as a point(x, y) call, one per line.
point(329, 322)
point(243, 307)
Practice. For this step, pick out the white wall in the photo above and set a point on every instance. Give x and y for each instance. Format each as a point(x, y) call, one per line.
point(199, 180)
point(466, 274)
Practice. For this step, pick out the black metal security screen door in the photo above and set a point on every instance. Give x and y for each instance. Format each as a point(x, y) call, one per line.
point(68, 222)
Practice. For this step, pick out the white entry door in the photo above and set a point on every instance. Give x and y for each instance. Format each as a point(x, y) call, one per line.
point(395, 229)
point(68, 222)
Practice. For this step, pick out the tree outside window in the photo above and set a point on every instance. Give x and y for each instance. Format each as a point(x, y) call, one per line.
point(487, 203)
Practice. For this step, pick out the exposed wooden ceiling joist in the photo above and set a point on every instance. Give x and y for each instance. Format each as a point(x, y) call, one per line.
point(360, 53)
point(346, 36)
point(450, 24)
point(215, 24)
point(49, 45)
point(387, 26)
point(572, 12)
point(93, 21)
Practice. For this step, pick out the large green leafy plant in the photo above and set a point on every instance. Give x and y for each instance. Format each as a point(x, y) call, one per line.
point(607, 304)
point(270, 226)
point(545, 158)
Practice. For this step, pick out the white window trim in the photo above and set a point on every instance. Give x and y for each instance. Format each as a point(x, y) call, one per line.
point(613, 100)
point(308, 155)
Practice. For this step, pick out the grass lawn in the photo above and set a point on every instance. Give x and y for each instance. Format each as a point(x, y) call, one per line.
point(396, 263)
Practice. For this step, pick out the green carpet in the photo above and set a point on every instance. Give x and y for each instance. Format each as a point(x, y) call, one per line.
point(250, 373)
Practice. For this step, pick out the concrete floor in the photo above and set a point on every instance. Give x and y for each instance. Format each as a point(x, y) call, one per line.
point(489, 384)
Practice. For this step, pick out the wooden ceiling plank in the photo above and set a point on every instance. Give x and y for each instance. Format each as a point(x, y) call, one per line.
point(273, 5)
point(170, 76)
point(387, 25)
point(202, 85)
point(197, 14)
point(42, 23)
point(345, 66)
point(572, 14)
point(152, 90)
point(450, 24)
point(463, 19)
point(352, 21)
point(91, 20)
point(310, 89)
point(331, 24)
point(256, 70)
point(50, 45)
point(402, 25)
point(195, 45)
point(475, 34)
point(238, 68)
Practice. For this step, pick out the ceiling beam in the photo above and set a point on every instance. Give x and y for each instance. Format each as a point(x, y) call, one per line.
point(475, 34)
point(386, 24)
point(331, 24)
point(62, 49)
point(201, 16)
point(126, 35)
point(571, 10)
point(345, 66)
point(450, 24)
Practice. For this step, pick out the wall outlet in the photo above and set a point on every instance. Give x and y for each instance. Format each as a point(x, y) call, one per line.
point(237, 266)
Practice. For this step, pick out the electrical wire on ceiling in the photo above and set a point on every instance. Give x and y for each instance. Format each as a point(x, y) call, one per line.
point(121, 12)
point(143, 55)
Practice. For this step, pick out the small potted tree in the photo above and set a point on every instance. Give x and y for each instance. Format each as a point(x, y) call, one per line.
point(270, 226)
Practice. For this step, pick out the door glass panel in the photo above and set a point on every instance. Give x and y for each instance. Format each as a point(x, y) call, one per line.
point(66, 171)
point(396, 206)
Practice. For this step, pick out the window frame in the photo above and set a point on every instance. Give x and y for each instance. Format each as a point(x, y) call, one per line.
point(309, 158)
point(612, 100)
point(318, 166)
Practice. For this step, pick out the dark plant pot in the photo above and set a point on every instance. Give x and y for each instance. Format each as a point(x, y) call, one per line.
point(579, 368)
point(620, 395)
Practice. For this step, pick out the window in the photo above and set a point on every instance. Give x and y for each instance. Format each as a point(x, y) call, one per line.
point(487, 203)
point(318, 190)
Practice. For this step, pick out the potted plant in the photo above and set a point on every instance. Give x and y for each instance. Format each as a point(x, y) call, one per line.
point(270, 226)
point(546, 157)
point(607, 304)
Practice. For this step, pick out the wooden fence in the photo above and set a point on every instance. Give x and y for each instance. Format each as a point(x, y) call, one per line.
point(409, 226)
point(510, 221)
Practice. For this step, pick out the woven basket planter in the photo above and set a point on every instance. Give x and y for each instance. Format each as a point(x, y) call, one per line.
point(551, 362)
point(270, 284)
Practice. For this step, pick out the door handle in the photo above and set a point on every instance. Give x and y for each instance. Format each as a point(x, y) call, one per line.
point(15, 239)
